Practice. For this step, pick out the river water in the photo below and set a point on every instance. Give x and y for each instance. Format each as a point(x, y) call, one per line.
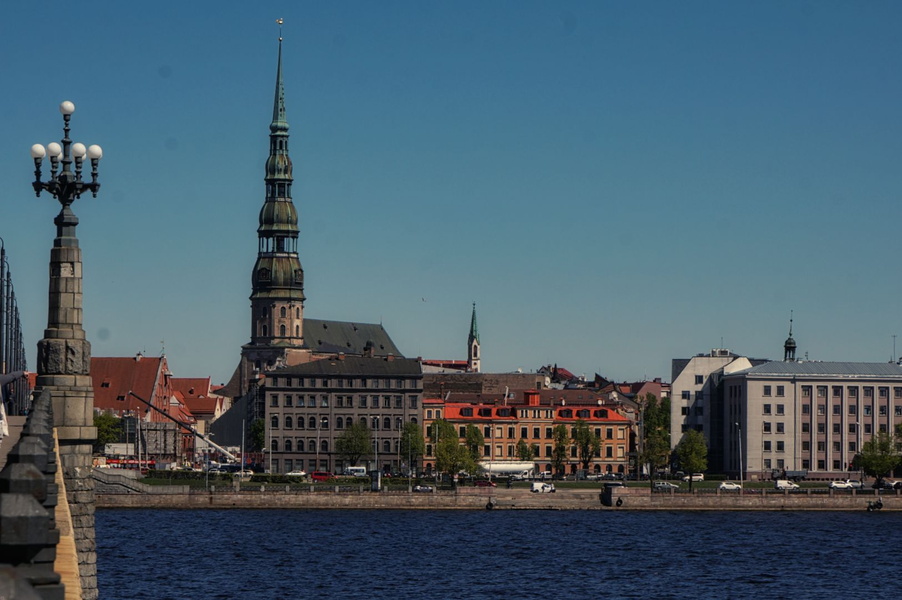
point(288, 554)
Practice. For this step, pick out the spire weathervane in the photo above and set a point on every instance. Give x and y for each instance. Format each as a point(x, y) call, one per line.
point(280, 21)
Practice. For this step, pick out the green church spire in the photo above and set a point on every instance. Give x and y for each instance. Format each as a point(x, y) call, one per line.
point(474, 330)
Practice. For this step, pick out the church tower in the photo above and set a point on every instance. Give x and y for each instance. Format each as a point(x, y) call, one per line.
point(473, 350)
point(789, 346)
point(277, 297)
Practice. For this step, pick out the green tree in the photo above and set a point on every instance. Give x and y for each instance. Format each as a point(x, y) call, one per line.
point(413, 446)
point(474, 442)
point(109, 430)
point(451, 456)
point(880, 455)
point(354, 442)
point(561, 439)
point(525, 452)
point(587, 443)
point(655, 450)
point(693, 453)
point(258, 436)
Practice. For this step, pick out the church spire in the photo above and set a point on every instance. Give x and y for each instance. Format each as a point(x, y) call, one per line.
point(789, 346)
point(473, 350)
point(277, 297)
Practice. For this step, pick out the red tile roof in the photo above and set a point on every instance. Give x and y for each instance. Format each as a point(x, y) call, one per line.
point(115, 377)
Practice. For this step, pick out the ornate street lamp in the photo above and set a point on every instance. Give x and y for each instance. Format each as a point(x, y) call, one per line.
point(66, 186)
point(64, 354)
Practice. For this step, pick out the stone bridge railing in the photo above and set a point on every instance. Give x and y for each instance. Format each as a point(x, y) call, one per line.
point(28, 503)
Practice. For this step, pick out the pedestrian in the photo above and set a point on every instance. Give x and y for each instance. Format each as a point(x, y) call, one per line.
point(6, 382)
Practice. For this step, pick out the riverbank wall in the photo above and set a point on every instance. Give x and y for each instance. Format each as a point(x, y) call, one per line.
point(499, 499)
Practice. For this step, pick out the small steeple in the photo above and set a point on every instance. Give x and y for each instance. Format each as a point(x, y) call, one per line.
point(473, 350)
point(789, 346)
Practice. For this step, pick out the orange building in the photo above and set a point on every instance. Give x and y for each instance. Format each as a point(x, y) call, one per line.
point(531, 416)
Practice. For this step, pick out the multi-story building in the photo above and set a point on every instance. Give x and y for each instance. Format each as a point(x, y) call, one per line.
point(531, 416)
point(804, 415)
point(309, 406)
point(696, 398)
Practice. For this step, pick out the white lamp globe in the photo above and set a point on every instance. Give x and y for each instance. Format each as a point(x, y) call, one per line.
point(95, 152)
point(37, 151)
point(67, 108)
point(78, 150)
point(54, 149)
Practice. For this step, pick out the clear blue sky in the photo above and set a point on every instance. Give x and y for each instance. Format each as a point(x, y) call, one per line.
point(615, 184)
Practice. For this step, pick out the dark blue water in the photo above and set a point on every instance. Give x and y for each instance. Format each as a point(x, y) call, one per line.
point(288, 554)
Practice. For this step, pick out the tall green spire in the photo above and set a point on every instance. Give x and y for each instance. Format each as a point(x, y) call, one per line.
point(474, 330)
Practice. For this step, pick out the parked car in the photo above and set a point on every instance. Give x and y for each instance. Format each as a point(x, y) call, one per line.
point(884, 484)
point(484, 483)
point(729, 486)
point(694, 477)
point(785, 484)
point(297, 474)
point(422, 488)
point(847, 484)
point(665, 486)
point(321, 475)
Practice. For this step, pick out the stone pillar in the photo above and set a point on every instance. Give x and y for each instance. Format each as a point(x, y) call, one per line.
point(64, 364)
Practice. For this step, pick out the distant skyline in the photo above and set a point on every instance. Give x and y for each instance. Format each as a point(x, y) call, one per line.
point(614, 184)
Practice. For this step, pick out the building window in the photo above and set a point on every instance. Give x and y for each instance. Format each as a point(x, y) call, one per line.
point(837, 447)
point(288, 423)
point(548, 451)
point(361, 402)
point(837, 409)
point(780, 446)
point(781, 409)
point(853, 392)
point(806, 409)
point(685, 395)
point(699, 379)
point(884, 393)
point(898, 410)
point(882, 410)
point(851, 427)
point(274, 400)
point(806, 446)
point(767, 445)
point(867, 411)
point(339, 423)
point(867, 428)
point(684, 410)
point(822, 428)
point(767, 409)
point(806, 391)
point(897, 393)
point(287, 445)
point(766, 426)
point(780, 427)
point(781, 390)
point(852, 447)
point(853, 409)
point(868, 392)
point(413, 401)
point(822, 446)
point(821, 409)
point(274, 422)
point(767, 390)
point(767, 463)
point(836, 428)
point(806, 427)
point(274, 446)
point(821, 391)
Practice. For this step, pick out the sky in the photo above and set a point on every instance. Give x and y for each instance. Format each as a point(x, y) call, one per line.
point(615, 184)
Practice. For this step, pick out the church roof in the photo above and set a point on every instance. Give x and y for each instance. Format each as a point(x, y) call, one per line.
point(325, 337)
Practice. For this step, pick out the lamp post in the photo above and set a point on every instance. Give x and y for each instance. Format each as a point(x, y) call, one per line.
point(322, 423)
point(739, 437)
point(64, 354)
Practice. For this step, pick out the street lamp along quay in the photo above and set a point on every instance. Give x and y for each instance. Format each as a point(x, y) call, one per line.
point(66, 185)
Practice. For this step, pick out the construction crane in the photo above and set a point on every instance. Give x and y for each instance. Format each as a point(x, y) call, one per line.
point(188, 428)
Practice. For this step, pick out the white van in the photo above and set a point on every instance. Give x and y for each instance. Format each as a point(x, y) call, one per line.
point(355, 471)
point(785, 484)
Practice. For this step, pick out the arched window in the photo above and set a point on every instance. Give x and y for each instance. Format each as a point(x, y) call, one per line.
point(386, 423)
point(339, 423)
point(413, 419)
point(287, 445)
point(297, 331)
point(300, 422)
point(324, 423)
point(265, 331)
point(300, 445)
point(282, 330)
point(274, 446)
point(363, 421)
point(274, 422)
point(386, 446)
point(311, 423)
point(297, 313)
point(288, 422)
point(282, 312)
point(324, 446)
